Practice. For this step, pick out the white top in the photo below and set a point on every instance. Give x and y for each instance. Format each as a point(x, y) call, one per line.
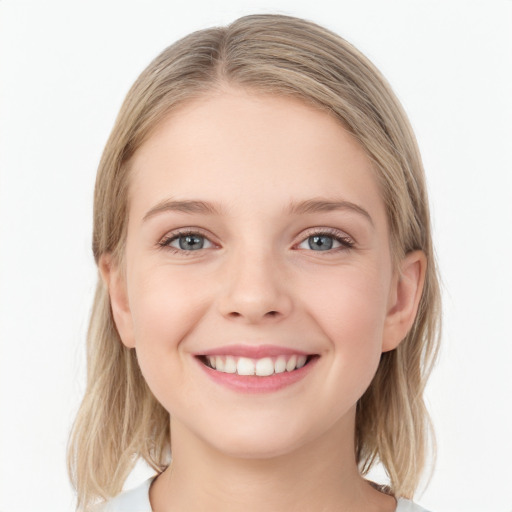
point(137, 500)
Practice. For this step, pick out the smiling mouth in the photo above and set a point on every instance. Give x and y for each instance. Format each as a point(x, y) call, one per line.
point(263, 367)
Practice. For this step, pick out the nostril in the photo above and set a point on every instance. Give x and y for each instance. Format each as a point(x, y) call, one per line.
point(270, 314)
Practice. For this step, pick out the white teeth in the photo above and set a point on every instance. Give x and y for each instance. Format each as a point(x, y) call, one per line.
point(301, 361)
point(261, 367)
point(245, 366)
point(264, 367)
point(291, 364)
point(230, 366)
point(280, 364)
point(219, 364)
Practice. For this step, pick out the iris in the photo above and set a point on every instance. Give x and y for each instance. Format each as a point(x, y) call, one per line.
point(320, 242)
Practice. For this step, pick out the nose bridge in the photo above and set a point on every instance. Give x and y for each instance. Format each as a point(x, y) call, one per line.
point(254, 286)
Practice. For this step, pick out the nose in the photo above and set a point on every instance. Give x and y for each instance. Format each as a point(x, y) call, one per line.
point(255, 289)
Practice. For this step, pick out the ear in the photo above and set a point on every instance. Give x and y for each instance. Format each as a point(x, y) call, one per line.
point(404, 299)
point(115, 281)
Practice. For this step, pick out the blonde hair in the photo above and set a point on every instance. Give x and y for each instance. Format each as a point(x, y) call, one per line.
point(119, 419)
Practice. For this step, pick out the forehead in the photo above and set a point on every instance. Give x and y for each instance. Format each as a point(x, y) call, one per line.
point(246, 148)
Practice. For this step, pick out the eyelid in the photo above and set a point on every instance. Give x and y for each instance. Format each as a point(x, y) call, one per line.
point(346, 240)
point(164, 242)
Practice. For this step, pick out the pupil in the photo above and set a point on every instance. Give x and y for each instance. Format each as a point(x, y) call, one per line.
point(191, 242)
point(320, 243)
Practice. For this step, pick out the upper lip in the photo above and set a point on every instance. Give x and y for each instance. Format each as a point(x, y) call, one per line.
point(252, 351)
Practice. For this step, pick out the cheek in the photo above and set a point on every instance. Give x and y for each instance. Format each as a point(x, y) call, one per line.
point(160, 303)
point(349, 300)
point(165, 306)
point(350, 308)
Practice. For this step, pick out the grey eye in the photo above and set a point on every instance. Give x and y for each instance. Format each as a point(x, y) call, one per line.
point(320, 242)
point(190, 242)
point(326, 242)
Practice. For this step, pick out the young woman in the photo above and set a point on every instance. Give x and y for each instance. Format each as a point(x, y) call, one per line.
point(267, 310)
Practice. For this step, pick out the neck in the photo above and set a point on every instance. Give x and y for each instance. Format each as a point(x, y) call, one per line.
point(321, 475)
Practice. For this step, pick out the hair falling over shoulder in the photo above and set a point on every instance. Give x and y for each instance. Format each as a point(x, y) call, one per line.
point(119, 419)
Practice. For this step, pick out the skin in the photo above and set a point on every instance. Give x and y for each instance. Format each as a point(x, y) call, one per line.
point(258, 281)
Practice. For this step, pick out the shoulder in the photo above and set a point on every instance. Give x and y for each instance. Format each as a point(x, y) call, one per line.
point(408, 506)
point(134, 500)
point(137, 500)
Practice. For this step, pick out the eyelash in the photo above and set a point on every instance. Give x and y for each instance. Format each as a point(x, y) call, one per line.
point(166, 241)
point(345, 241)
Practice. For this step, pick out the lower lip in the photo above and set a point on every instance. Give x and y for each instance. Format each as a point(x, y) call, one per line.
point(255, 384)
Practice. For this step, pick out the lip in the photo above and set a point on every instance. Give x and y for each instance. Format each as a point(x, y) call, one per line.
point(253, 351)
point(252, 384)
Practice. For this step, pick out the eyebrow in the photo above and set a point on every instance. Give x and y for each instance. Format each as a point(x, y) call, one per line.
point(201, 207)
point(321, 205)
point(295, 208)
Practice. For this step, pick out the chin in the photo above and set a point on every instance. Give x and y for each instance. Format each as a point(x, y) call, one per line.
point(260, 440)
point(259, 450)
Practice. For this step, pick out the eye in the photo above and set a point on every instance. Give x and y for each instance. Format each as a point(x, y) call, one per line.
point(326, 241)
point(321, 242)
point(186, 242)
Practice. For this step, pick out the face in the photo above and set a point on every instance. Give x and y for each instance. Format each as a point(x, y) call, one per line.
point(258, 289)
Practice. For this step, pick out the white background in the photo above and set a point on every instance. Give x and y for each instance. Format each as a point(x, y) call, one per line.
point(65, 67)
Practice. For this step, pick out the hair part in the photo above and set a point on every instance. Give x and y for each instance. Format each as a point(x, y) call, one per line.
point(119, 419)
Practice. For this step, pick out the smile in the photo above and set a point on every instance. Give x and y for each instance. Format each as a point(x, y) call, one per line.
point(263, 367)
